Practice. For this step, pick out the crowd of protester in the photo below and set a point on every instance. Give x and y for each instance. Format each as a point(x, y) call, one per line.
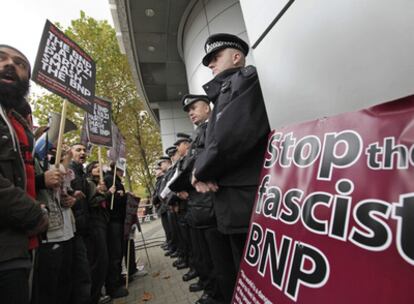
point(206, 183)
point(62, 235)
point(61, 238)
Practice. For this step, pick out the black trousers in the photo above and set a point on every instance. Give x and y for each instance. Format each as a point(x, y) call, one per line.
point(201, 258)
point(132, 257)
point(172, 223)
point(226, 252)
point(115, 253)
point(203, 261)
point(185, 249)
point(81, 273)
point(98, 258)
point(14, 286)
point(53, 268)
point(166, 226)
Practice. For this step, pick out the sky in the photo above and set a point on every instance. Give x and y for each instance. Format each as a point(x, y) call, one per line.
point(22, 21)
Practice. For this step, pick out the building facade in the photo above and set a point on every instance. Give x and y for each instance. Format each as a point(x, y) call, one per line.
point(314, 58)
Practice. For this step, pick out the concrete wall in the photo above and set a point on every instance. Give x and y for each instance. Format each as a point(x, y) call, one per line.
point(205, 18)
point(328, 57)
point(172, 120)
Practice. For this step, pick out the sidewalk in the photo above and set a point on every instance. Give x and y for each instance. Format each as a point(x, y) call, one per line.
point(163, 284)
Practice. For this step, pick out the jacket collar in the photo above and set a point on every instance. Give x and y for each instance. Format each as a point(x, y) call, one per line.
point(77, 168)
point(213, 87)
point(223, 75)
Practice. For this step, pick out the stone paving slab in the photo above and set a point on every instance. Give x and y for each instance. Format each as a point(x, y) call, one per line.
point(164, 282)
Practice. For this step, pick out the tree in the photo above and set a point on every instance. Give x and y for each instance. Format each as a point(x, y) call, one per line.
point(115, 83)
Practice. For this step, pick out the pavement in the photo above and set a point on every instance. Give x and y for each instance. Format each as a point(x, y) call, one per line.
point(163, 283)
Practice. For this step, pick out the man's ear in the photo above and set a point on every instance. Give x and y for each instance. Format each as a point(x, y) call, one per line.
point(236, 58)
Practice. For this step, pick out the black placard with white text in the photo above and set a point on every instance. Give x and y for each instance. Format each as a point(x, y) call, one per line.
point(64, 68)
point(100, 124)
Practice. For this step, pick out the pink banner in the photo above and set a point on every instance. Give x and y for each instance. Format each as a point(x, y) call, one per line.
point(334, 215)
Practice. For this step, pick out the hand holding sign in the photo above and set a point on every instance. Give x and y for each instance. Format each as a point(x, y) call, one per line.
point(65, 69)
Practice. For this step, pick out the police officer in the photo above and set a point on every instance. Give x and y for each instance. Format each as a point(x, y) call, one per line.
point(171, 201)
point(236, 138)
point(200, 214)
point(161, 210)
point(179, 205)
point(166, 215)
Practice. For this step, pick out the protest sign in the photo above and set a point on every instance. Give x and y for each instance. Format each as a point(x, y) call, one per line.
point(333, 219)
point(49, 138)
point(118, 145)
point(99, 123)
point(64, 68)
point(131, 216)
point(117, 153)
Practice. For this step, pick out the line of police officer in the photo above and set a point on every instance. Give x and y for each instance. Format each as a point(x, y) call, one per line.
point(207, 185)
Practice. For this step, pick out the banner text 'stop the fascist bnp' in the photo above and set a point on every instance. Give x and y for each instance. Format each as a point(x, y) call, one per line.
point(64, 68)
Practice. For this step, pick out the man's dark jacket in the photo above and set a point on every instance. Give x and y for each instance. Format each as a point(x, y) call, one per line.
point(18, 212)
point(118, 211)
point(235, 144)
point(81, 207)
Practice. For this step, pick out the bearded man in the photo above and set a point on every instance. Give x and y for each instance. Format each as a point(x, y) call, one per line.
point(21, 217)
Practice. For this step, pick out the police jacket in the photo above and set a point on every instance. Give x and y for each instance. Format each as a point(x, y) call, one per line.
point(200, 212)
point(166, 195)
point(155, 200)
point(18, 212)
point(81, 207)
point(237, 130)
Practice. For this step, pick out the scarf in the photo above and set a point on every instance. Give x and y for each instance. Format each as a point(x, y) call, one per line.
point(26, 141)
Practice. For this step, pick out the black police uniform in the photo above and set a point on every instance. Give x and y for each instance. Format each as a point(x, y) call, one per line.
point(201, 219)
point(170, 215)
point(162, 210)
point(184, 245)
point(235, 144)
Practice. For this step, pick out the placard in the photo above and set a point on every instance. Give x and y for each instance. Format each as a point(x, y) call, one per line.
point(63, 68)
point(334, 213)
point(100, 123)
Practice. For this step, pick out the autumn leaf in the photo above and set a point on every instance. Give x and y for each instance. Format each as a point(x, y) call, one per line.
point(156, 274)
point(147, 296)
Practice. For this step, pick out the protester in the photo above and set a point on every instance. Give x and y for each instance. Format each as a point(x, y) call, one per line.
point(53, 280)
point(231, 162)
point(131, 227)
point(99, 219)
point(115, 237)
point(21, 216)
point(81, 273)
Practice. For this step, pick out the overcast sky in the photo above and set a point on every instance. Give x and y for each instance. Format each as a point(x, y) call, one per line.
point(22, 21)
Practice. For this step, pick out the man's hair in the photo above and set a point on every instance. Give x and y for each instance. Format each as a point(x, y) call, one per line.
point(77, 144)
